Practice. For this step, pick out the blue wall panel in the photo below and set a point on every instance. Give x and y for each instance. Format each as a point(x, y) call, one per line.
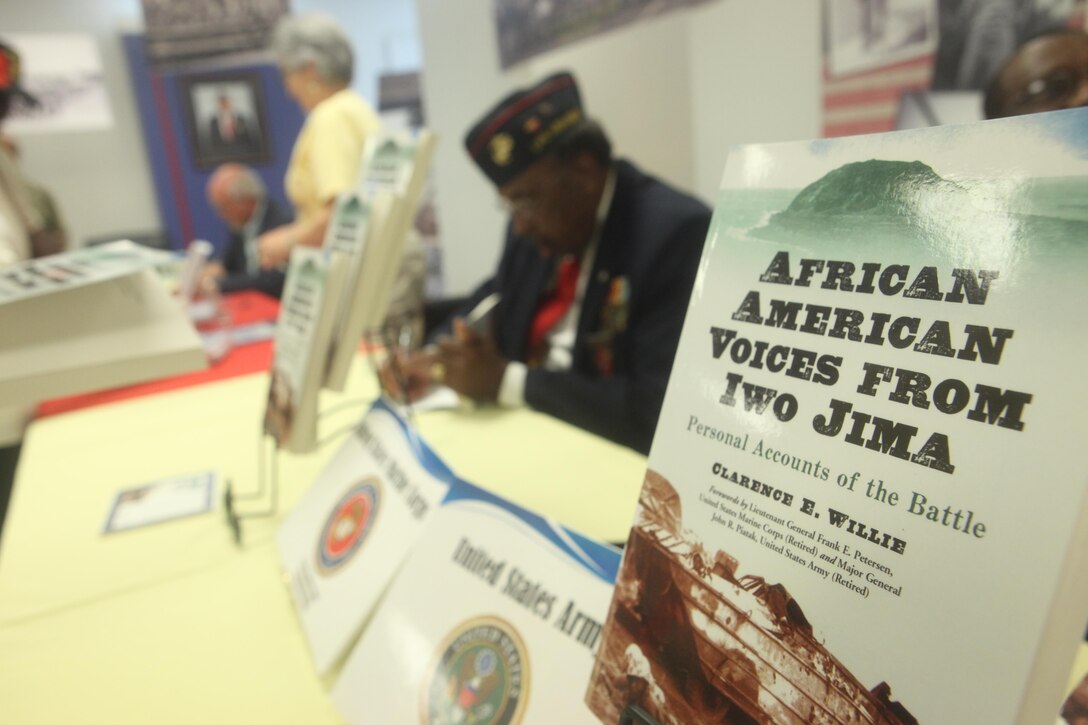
point(179, 182)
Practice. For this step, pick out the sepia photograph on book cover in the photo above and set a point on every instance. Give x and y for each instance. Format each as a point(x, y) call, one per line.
point(863, 502)
point(344, 540)
point(493, 618)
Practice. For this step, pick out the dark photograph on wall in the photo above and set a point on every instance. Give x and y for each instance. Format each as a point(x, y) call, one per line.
point(531, 27)
point(225, 116)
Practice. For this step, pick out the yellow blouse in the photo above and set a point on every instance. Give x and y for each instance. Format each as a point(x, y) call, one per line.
point(327, 153)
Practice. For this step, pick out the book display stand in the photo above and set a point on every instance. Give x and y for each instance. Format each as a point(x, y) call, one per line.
point(267, 477)
point(268, 463)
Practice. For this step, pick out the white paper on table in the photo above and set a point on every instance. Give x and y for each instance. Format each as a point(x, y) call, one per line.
point(163, 500)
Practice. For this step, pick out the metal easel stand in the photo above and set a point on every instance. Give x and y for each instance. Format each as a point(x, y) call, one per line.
point(268, 467)
point(264, 480)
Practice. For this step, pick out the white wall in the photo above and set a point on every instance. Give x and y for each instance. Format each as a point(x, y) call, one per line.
point(755, 71)
point(100, 179)
point(674, 93)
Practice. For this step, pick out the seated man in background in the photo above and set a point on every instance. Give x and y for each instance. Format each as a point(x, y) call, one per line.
point(1047, 73)
point(240, 198)
point(597, 268)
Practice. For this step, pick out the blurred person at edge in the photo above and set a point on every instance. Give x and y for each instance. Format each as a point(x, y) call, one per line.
point(24, 234)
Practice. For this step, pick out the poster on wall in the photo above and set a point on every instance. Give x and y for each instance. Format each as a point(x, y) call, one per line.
point(530, 27)
point(898, 64)
point(225, 117)
point(182, 32)
point(63, 71)
point(876, 33)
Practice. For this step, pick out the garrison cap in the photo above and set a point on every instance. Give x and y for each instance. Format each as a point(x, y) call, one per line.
point(524, 126)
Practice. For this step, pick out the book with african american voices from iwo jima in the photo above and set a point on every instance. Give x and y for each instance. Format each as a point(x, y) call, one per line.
point(865, 501)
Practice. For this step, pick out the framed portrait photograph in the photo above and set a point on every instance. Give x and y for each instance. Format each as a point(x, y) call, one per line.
point(226, 119)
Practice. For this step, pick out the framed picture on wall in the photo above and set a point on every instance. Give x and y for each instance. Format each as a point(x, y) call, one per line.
point(226, 119)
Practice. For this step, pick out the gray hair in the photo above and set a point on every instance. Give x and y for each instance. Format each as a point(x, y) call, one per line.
point(313, 38)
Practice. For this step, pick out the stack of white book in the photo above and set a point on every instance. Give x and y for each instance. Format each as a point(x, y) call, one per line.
point(90, 319)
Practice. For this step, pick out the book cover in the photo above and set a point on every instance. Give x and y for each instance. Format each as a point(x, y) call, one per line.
point(863, 502)
point(394, 169)
point(494, 617)
point(343, 541)
point(397, 161)
point(396, 164)
point(310, 294)
point(359, 238)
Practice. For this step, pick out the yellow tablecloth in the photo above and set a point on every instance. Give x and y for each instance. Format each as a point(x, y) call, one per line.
point(174, 622)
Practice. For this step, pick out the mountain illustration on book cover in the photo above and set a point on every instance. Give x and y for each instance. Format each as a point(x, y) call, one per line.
point(864, 502)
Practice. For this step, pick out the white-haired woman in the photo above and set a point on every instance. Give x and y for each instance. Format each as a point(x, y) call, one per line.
point(315, 59)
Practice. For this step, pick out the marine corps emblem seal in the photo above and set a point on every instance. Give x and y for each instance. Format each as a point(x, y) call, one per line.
point(347, 525)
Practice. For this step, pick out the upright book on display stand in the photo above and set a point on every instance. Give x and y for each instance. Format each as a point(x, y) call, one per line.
point(310, 294)
point(394, 169)
point(359, 238)
point(493, 617)
point(863, 502)
point(90, 319)
point(398, 162)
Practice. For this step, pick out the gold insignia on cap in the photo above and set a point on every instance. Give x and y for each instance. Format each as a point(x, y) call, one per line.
point(532, 125)
point(502, 146)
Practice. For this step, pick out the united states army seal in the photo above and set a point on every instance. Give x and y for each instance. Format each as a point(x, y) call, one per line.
point(480, 675)
point(347, 526)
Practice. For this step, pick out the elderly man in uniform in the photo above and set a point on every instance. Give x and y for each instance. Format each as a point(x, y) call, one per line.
point(594, 280)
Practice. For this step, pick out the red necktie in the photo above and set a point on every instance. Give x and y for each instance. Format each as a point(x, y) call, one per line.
point(554, 306)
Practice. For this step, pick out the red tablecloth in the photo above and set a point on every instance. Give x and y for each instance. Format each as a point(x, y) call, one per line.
point(244, 308)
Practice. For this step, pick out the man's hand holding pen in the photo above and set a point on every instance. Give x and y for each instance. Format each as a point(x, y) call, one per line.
point(466, 361)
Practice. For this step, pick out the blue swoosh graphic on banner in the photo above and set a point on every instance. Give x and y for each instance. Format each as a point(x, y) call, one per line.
point(599, 559)
point(427, 458)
